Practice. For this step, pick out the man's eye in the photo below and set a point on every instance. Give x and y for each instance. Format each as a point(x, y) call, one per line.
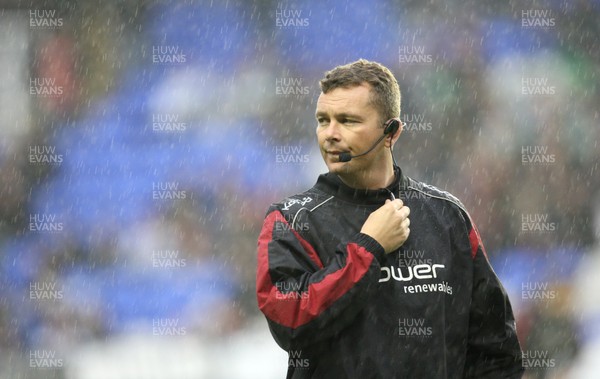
point(321, 121)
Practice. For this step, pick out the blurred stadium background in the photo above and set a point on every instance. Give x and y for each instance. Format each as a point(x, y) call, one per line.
point(141, 143)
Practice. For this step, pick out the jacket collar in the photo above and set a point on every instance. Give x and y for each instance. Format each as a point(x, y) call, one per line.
point(333, 185)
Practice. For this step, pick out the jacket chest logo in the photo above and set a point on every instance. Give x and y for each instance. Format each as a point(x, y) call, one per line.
point(290, 202)
point(412, 266)
point(420, 271)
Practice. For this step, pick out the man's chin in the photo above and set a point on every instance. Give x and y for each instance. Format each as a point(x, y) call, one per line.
point(337, 167)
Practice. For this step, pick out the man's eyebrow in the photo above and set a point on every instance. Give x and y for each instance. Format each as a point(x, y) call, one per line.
point(340, 115)
point(348, 115)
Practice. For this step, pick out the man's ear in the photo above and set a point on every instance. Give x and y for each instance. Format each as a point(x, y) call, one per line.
point(391, 140)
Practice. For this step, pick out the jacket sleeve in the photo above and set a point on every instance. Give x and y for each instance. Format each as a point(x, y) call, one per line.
point(304, 299)
point(493, 350)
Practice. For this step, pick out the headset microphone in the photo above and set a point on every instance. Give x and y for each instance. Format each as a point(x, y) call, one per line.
point(391, 127)
point(346, 157)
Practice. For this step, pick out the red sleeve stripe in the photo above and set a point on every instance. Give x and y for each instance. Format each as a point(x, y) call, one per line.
point(296, 311)
point(275, 216)
point(475, 241)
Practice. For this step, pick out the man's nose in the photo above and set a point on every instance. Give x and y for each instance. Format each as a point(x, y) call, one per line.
point(332, 132)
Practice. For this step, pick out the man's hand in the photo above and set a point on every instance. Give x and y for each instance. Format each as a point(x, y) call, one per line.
point(388, 225)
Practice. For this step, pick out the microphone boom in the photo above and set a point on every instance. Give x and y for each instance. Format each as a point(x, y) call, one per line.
point(347, 157)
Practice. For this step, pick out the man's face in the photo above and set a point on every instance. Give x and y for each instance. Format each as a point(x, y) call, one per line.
point(347, 122)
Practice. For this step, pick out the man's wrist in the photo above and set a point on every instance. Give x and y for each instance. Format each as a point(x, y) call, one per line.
point(371, 245)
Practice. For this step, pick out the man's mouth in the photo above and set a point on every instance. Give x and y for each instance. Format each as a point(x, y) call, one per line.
point(337, 151)
point(334, 155)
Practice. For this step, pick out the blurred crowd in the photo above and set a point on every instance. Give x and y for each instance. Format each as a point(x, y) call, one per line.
point(142, 142)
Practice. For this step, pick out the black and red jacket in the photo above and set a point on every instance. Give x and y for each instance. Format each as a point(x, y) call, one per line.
point(342, 308)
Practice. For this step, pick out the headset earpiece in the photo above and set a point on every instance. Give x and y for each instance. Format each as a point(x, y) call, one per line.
point(391, 126)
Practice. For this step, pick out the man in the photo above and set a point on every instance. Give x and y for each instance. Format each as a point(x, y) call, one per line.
point(351, 286)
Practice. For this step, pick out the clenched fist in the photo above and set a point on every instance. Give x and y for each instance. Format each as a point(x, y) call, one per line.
point(388, 225)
